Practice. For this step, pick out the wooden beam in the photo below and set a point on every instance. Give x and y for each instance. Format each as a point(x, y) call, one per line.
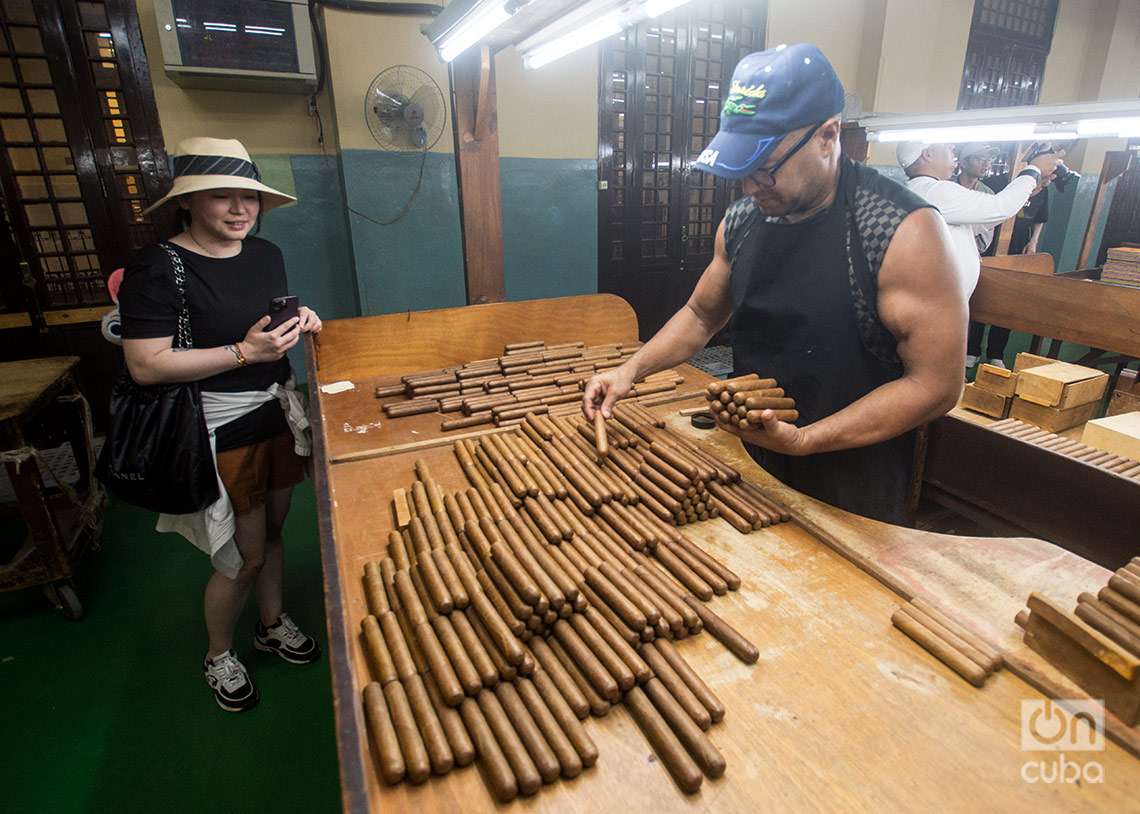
point(1115, 163)
point(477, 158)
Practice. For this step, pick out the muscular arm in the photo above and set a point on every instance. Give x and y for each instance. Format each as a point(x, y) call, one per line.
point(686, 332)
point(922, 304)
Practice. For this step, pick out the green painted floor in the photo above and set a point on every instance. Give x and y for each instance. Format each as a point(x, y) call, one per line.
point(112, 714)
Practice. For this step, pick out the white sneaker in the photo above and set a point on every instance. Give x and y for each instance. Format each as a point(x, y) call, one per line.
point(996, 363)
point(233, 688)
point(971, 362)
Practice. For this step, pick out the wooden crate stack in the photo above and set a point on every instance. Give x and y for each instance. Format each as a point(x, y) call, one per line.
point(1049, 394)
point(1122, 266)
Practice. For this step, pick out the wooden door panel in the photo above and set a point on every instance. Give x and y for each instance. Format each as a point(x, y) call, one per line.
point(661, 87)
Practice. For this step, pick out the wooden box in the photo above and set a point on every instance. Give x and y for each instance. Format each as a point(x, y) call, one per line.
point(1024, 361)
point(1053, 419)
point(1118, 434)
point(1061, 385)
point(985, 402)
point(996, 380)
point(1128, 382)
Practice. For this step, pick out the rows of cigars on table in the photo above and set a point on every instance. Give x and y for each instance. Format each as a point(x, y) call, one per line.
point(556, 583)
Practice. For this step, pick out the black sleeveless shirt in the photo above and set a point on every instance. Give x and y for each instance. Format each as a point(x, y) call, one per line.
point(804, 312)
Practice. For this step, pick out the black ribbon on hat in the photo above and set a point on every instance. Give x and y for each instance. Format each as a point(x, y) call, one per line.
point(215, 165)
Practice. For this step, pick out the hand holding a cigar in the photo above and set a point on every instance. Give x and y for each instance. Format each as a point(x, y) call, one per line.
point(605, 390)
point(758, 411)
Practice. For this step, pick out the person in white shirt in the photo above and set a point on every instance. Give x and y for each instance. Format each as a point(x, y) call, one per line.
point(929, 168)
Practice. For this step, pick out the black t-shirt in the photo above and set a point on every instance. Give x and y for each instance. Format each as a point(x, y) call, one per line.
point(226, 296)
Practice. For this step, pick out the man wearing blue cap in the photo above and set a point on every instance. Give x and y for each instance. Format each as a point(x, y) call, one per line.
point(835, 281)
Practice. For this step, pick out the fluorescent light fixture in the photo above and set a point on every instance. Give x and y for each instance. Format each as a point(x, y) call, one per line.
point(1124, 127)
point(480, 22)
point(655, 8)
point(1018, 131)
point(588, 34)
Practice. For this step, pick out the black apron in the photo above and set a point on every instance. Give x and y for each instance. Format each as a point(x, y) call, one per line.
point(794, 320)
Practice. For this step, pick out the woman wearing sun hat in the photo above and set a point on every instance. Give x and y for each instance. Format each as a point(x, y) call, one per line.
point(255, 419)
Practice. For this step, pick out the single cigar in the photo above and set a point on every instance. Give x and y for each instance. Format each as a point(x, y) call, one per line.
point(702, 750)
point(390, 757)
point(586, 660)
point(407, 733)
point(374, 594)
point(377, 652)
point(407, 408)
point(497, 628)
point(496, 769)
point(668, 612)
point(729, 513)
point(725, 633)
point(526, 773)
point(431, 730)
point(384, 391)
point(506, 671)
point(451, 583)
point(952, 639)
point(508, 616)
point(1125, 587)
point(755, 416)
point(937, 647)
point(397, 645)
point(409, 600)
point(528, 732)
point(545, 524)
point(993, 656)
point(631, 637)
point(449, 424)
point(600, 440)
point(685, 772)
point(599, 706)
point(561, 679)
point(1122, 603)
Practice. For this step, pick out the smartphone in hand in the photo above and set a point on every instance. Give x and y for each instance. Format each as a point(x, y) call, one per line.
point(281, 310)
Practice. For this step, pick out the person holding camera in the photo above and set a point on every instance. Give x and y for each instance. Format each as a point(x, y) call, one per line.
point(929, 168)
point(255, 418)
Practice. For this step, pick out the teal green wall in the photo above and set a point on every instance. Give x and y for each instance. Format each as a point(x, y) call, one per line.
point(417, 262)
point(341, 264)
point(550, 227)
point(313, 236)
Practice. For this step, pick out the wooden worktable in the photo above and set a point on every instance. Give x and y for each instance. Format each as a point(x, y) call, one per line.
point(842, 711)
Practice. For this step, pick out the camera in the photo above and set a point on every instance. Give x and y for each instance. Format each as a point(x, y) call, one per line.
point(1062, 175)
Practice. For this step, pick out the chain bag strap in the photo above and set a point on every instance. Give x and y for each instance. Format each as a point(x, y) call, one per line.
point(183, 340)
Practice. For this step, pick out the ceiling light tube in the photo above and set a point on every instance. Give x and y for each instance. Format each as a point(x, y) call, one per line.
point(1124, 127)
point(484, 19)
point(1014, 131)
point(559, 47)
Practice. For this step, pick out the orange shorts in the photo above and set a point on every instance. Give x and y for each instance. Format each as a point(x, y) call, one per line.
point(250, 472)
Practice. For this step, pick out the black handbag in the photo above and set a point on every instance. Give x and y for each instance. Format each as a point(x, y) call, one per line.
point(157, 451)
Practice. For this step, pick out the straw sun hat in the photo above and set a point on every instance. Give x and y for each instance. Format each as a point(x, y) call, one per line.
point(216, 163)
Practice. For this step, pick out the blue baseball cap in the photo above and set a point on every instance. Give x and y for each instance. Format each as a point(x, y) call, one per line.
point(773, 92)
